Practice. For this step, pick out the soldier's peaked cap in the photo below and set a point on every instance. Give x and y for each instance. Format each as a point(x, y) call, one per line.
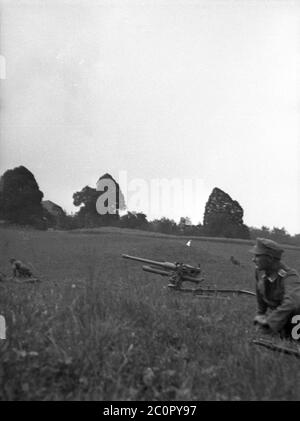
point(268, 247)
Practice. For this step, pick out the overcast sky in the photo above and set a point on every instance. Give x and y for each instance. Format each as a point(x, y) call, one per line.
point(198, 90)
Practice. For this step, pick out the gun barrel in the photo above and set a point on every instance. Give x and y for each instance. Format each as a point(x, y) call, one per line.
point(156, 270)
point(166, 265)
point(221, 290)
point(165, 273)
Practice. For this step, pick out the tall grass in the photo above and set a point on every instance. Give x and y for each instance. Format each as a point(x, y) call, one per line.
point(98, 328)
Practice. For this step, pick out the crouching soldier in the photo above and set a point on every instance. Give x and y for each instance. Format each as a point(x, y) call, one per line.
point(20, 270)
point(277, 290)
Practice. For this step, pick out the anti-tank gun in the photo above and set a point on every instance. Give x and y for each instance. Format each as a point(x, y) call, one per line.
point(181, 272)
point(176, 272)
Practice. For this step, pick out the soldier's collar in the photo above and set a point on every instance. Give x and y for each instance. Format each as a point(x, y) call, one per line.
point(271, 277)
point(280, 272)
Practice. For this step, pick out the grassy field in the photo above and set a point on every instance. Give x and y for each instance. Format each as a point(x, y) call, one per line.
point(99, 328)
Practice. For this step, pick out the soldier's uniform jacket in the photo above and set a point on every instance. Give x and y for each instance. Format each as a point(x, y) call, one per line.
point(279, 293)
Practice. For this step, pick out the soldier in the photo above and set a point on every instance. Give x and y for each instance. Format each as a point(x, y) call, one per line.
point(277, 289)
point(20, 269)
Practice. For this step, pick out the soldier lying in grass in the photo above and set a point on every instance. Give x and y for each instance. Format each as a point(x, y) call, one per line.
point(277, 289)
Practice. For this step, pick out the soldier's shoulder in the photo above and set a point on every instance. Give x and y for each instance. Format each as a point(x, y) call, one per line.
point(285, 271)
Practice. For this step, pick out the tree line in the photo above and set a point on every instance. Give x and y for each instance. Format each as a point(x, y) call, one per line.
point(21, 203)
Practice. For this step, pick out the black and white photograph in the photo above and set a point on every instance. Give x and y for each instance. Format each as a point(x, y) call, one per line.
point(149, 203)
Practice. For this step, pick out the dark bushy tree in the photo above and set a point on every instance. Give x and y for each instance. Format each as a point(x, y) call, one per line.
point(277, 234)
point(88, 215)
point(117, 201)
point(280, 234)
point(20, 198)
point(134, 220)
point(164, 225)
point(223, 216)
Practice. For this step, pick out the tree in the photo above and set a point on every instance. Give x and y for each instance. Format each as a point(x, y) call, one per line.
point(114, 198)
point(265, 231)
point(134, 220)
point(87, 215)
point(259, 232)
point(55, 216)
point(223, 216)
point(277, 234)
point(88, 198)
point(164, 225)
point(184, 225)
point(20, 198)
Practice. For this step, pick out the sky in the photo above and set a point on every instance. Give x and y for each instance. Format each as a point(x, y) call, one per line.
point(202, 93)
